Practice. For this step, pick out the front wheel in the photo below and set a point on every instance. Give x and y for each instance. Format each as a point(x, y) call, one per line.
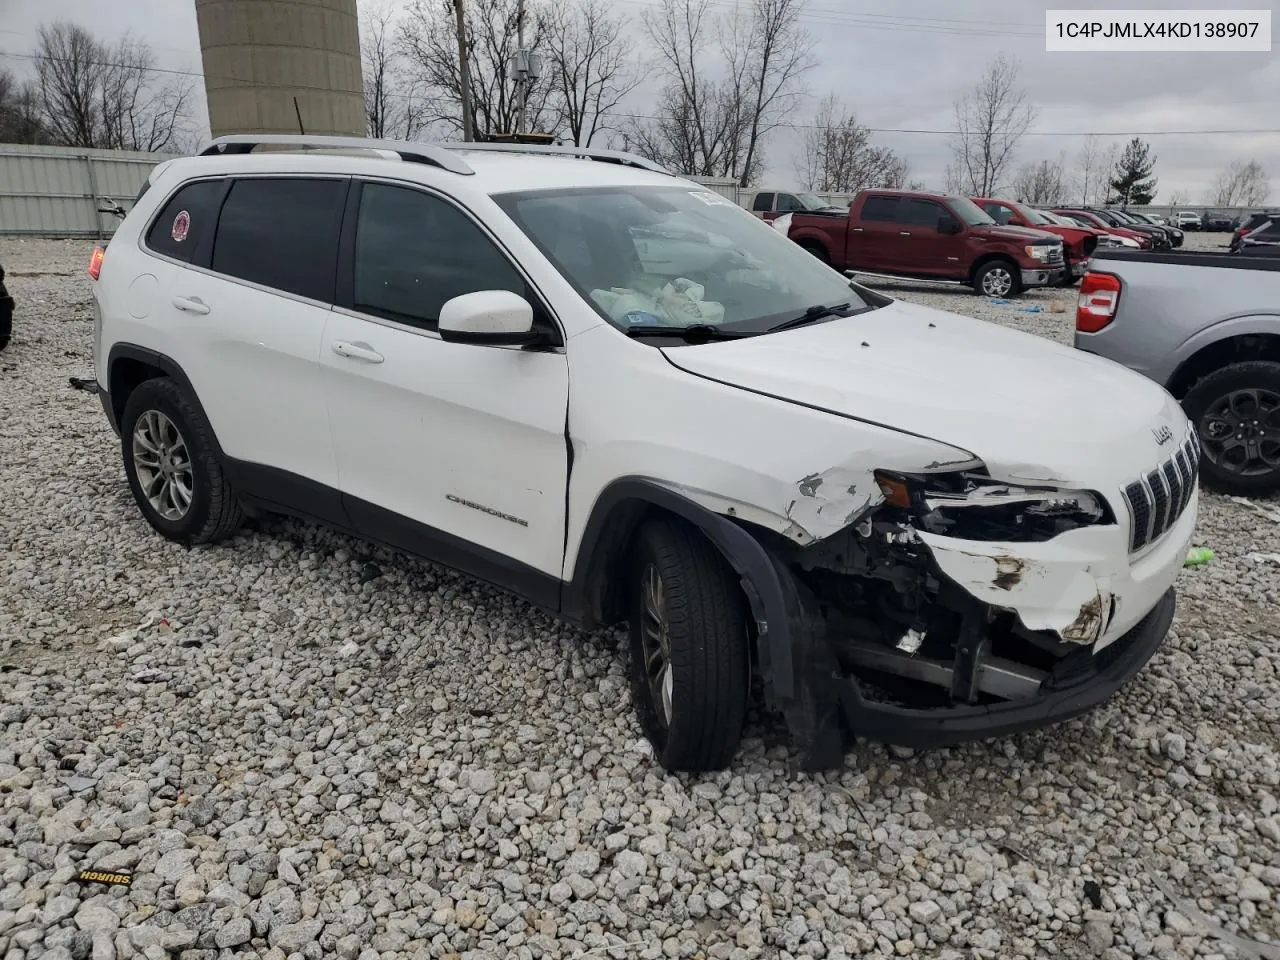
point(999, 278)
point(817, 251)
point(1236, 411)
point(690, 671)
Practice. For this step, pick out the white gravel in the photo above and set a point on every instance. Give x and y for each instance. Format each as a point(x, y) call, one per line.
point(294, 759)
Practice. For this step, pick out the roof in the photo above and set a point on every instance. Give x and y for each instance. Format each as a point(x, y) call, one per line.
point(486, 168)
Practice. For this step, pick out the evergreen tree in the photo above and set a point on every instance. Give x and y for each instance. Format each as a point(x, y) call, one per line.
point(1132, 182)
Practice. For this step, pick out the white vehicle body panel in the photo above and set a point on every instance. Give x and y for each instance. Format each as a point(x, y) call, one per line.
point(781, 430)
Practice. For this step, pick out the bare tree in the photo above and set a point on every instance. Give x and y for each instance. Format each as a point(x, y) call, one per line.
point(19, 112)
point(394, 104)
point(1178, 198)
point(1242, 184)
point(96, 94)
point(428, 39)
point(714, 122)
point(990, 120)
point(1089, 169)
point(590, 65)
point(1039, 183)
point(839, 157)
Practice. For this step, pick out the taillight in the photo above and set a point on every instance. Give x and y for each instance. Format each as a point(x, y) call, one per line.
point(1096, 307)
point(95, 262)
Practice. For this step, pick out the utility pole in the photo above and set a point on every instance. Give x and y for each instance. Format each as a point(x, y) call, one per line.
point(522, 68)
point(464, 82)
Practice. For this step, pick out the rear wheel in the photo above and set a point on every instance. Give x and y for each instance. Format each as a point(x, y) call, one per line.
point(173, 467)
point(998, 278)
point(817, 251)
point(1236, 411)
point(690, 673)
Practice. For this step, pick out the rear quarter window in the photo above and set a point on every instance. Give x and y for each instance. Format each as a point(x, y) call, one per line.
point(185, 219)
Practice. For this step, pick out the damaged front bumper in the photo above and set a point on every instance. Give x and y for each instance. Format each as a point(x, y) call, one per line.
point(1012, 636)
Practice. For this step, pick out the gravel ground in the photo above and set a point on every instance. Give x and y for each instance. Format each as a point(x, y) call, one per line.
point(304, 747)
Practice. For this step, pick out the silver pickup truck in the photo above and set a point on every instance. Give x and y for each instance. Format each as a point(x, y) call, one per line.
point(1206, 326)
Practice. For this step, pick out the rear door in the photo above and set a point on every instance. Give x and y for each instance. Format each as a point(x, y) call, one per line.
point(248, 315)
point(874, 242)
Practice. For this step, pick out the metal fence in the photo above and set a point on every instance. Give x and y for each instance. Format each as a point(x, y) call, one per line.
point(56, 191)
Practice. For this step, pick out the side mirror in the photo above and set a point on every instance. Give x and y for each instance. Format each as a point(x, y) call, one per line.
point(497, 318)
point(948, 225)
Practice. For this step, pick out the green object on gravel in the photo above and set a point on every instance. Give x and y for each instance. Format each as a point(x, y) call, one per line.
point(1198, 557)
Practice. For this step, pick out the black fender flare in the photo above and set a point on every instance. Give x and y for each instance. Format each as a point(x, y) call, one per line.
point(759, 572)
point(793, 657)
point(159, 361)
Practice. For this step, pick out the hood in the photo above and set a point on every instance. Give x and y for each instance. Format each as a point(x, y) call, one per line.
point(1031, 409)
point(1016, 234)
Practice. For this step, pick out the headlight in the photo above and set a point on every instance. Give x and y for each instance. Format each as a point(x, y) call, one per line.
point(972, 506)
point(1038, 253)
point(1127, 242)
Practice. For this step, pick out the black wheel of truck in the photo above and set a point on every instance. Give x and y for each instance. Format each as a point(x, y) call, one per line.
point(173, 468)
point(998, 278)
point(817, 251)
point(690, 672)
point(1236, 411)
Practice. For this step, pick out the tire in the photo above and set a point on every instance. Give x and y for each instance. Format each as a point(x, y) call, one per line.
point(696, 602)
point(818, 252)
point(157, 412)
point(996, 274)
point(1238, 396)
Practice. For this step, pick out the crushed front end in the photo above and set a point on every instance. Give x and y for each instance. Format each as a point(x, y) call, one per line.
point(960, 607)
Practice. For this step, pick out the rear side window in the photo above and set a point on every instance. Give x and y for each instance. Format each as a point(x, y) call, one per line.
point(187, 217)
point(282, 233)
point(764, 203)
point(884, 209)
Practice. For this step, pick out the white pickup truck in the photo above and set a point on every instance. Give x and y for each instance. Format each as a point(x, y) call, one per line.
point(1206, 327)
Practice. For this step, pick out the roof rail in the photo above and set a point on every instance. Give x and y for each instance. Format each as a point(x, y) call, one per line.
point(428, 153)
point(590, 153)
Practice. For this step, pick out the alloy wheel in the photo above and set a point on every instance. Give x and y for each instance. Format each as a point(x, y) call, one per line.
point(162, 464)
point(997, 282)
point(1240, 432)
point(655, 641)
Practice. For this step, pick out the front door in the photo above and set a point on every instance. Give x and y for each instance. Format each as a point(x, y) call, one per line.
point(927, 249)
point(451, 450)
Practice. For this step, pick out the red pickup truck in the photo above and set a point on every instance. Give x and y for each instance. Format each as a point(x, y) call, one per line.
point(931, 236)
point(1078, 242)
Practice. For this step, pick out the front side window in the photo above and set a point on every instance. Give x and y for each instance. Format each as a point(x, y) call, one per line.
point(282, 233)
point(674, 256)
point(787, 203)
point(414, 252)
point(919, 213)
point(185, 219)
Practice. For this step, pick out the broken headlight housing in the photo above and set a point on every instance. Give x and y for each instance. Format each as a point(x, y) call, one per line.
point(973, 506)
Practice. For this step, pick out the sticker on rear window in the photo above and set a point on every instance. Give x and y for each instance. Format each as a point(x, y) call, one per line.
point(181, 226)
point(711, 199)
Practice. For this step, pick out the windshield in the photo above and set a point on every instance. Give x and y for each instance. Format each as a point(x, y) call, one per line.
point(970, 212)
point(1032, 215)
point(675, 256)
point(812, 201)
point(1121, 217)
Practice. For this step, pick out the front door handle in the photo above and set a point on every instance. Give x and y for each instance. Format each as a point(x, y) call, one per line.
point(357, 351)
point(904, 233)
point(191, 305)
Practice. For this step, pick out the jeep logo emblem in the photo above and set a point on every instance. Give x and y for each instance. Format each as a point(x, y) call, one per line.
point(1163, 435)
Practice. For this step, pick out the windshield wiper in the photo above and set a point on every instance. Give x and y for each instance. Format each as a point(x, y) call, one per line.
point(693, 333)
point(818, 311)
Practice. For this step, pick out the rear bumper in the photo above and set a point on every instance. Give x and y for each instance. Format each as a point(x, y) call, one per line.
point(1041, 276)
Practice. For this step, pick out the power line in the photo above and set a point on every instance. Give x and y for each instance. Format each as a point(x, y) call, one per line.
point(449, 101)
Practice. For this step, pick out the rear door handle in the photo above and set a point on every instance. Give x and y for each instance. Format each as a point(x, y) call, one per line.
point(904, 233)
point(191, 305)
point(357, 351)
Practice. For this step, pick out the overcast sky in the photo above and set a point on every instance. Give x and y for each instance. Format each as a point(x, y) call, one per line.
point(901, 65)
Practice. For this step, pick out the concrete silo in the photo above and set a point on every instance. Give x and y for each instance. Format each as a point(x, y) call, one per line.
point(269, 63)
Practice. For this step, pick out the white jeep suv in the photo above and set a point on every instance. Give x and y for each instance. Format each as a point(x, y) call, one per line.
point(625, 398)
